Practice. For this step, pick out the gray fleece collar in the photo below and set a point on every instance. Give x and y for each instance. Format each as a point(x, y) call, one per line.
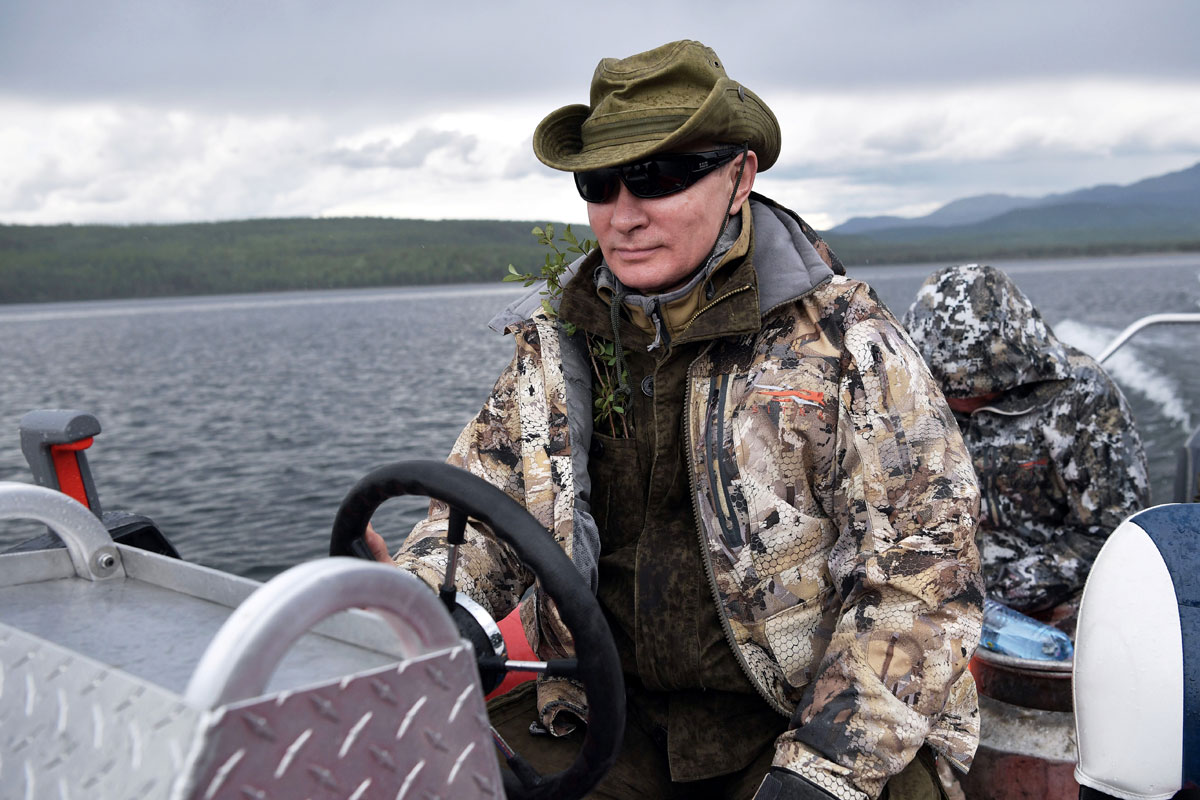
point(785, 262)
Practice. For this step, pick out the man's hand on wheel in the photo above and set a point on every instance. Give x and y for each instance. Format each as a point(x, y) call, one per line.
point(377, 546)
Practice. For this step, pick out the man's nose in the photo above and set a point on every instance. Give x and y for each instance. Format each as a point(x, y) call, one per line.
point(628, 211)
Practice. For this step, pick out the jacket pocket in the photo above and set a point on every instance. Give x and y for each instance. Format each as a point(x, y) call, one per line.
point(617, 493)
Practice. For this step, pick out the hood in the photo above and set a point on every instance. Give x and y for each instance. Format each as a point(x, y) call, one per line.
point(980, 334)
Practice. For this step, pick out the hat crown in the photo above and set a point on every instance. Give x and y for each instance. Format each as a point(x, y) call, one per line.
point(660, 88)
point(675, 74)
point(675, 95)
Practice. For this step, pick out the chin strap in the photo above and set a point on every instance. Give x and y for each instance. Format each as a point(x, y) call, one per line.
point(729, 206)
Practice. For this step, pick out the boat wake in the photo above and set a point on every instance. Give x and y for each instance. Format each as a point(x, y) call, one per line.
point(1129, 367)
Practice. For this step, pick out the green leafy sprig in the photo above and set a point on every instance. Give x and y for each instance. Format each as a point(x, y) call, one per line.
point(557, 261)
point(608, 403)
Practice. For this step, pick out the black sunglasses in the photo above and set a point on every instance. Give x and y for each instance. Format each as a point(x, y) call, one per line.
point(658, 175)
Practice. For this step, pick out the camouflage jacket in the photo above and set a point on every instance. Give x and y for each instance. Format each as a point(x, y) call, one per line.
point(1058, 456)
point(833, 491)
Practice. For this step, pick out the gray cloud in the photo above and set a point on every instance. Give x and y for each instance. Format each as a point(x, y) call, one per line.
point(179, 109)
point(399, 58)
point(524, 163)
point(915, 136)
point(384, 154)
point(28, 194)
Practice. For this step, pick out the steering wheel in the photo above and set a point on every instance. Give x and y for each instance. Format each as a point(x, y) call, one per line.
point(597, 664)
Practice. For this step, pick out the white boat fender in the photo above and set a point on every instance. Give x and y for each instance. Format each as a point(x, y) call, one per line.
point(1137, 659)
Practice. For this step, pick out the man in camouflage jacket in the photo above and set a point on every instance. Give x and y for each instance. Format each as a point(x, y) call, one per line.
point(832, 501)
point(1054, 443)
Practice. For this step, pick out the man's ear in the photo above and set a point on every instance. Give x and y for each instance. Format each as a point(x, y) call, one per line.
point(747, 182)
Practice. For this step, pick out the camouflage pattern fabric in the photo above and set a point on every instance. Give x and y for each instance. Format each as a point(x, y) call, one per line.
point(838, 505)
point(1058, 455)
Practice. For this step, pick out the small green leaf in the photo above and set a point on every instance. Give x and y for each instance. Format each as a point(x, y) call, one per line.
point(537, 231)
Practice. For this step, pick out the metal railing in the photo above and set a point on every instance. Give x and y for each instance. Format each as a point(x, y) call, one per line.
point(1186, 318)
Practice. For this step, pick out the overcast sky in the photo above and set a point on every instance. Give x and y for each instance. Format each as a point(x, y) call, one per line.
point(184, 110)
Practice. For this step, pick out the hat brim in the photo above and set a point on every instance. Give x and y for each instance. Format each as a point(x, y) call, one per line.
point(558, 139)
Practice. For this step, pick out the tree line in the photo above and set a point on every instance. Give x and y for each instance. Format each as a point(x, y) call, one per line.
point(87, 262)
point(41, 263)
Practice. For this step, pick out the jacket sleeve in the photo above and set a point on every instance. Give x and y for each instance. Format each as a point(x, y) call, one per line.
point(488, 446)
point(905, 503)
point(1100, 468)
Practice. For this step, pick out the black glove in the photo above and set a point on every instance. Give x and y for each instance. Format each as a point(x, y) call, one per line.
point(783, 784)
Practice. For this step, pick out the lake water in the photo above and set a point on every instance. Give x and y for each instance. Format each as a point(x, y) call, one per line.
point(238, 423)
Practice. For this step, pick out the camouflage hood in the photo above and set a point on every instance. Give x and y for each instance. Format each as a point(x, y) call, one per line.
point(980, 334)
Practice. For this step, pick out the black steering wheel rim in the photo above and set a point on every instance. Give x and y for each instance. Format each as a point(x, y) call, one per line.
point(599, 664)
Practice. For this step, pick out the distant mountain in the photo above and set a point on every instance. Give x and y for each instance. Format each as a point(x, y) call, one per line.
point(1156, 214)
point(1175, 189)
point(1174, 192)
point(956, 212)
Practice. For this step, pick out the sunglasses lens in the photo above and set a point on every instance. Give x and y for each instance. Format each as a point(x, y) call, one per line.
point(656, 177)
point(598, 185)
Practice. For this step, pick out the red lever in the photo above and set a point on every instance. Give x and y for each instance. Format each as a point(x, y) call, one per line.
point(66, 468)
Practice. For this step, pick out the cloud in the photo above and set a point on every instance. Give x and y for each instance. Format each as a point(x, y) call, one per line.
point(845, 154)
point(384, 154)
point(312, 55)
point(102, 163)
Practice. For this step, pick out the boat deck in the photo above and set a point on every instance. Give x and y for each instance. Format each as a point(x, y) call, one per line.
point(158, 634)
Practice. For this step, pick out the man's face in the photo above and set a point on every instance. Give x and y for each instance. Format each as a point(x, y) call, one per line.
point(653, 245)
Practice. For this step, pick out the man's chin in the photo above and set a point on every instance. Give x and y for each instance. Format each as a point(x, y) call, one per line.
point(647, 279)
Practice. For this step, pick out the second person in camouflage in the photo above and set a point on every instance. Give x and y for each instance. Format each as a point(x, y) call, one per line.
point(1057, 453)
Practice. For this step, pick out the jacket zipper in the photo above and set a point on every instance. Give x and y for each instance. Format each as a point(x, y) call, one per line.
point(712, 303)
point(708, 566)
point(709, 571)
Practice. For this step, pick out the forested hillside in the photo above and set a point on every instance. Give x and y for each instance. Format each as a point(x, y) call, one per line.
point(87, 262)
point(77, 262)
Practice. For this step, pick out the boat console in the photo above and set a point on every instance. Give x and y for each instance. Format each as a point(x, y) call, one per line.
point(129, 673)
point(126, 673)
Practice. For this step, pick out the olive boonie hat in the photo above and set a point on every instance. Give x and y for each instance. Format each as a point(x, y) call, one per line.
point(672, 95)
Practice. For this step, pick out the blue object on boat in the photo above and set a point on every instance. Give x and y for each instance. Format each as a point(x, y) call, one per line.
point(1012, 633)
